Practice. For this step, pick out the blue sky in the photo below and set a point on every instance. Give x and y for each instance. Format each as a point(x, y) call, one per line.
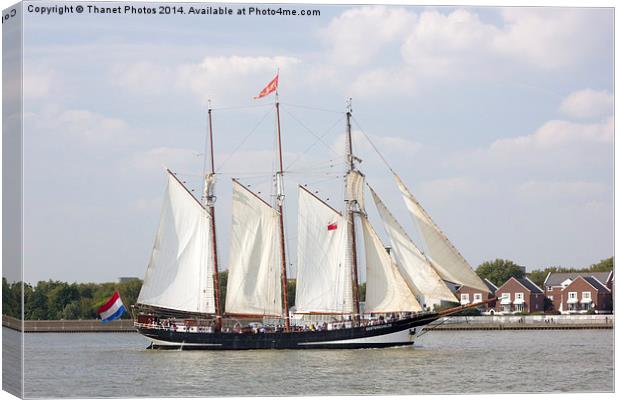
point(499, 119)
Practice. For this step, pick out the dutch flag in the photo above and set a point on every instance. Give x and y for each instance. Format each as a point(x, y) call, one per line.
point(112, 309)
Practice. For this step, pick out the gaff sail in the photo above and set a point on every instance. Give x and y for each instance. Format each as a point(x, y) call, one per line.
point(181, 264)
point(254, 264)
point(323, 273)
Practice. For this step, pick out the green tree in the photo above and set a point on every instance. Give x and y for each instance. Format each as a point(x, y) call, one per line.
point(499, 271)
point(605, 265)
point(291, 287)
point(223, 276)
point(71, 311)
point(363, 291)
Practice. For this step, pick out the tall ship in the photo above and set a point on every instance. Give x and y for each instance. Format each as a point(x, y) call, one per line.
point(180, 303)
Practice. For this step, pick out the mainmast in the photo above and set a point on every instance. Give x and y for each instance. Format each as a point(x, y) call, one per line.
point(351, 210)
point(210, 202)
point(280, 203)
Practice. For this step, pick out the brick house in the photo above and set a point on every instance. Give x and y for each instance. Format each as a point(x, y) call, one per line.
point(556, 283)
point(467, 295)
point(519, 295)
point(583, 294)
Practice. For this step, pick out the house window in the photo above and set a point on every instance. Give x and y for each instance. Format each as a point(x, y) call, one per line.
point(519, 296)
point(506, 296)
point(519, 307)
point(477, 297)
point(572, 295)
point(586, 296)
point(464, 298)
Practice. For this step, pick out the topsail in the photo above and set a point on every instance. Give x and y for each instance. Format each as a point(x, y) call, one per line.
point(180, 273)
point(446, 259)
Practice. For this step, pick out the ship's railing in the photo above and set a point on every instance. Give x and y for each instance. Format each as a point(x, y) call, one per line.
point(179, 325)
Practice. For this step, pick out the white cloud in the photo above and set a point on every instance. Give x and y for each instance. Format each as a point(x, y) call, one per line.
point(551, 38)
point(357, 35)
point(556, 134)
point(460, 44)
point(143, 77)
point(215, 76)
point(441, 45)
point(212, 78)
point(80, 126)
point(385, 81)
point(588, 103)
point(37, 83)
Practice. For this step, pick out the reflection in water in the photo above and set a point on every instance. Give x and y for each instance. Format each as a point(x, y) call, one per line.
point(110, 364)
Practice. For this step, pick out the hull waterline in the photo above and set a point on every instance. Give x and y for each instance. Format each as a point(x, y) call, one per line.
point(396, 333)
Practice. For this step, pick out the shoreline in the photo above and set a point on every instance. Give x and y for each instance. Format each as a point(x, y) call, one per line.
point(126, 326)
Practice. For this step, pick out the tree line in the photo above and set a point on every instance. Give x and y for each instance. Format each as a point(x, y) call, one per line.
point(499, 271)
point(54, 300)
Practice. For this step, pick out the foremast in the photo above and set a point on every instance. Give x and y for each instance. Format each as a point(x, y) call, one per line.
point(210, 198)
point(352, 207)
point(280, 207)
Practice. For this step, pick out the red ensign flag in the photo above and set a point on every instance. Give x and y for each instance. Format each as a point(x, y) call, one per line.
point(271, 87)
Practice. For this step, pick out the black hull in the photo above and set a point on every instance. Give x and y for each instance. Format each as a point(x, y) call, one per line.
point(397, 333)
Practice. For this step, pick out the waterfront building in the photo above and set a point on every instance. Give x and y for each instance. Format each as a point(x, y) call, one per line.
point(519, 296)
point(556, 284)
point(468, 295)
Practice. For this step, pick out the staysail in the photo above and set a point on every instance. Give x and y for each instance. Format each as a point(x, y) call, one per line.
point(323, 274)
point(386, 290)
point(415, 268)
point(446, 259)
point(180, 272)
point(254, 264)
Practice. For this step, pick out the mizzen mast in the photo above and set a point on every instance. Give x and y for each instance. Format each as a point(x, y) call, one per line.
point(210, 203)
point(352, 208)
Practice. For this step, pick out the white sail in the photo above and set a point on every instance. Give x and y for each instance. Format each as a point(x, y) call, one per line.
point(323, 274)
point(446, 259)
point(386, 290)
point(180, 272)
point(254, 270)
point(415, 268)
point(355, 187)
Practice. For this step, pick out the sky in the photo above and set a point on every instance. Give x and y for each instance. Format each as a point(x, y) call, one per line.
point(500, 121)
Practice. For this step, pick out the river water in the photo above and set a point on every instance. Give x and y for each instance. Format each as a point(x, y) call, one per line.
point(117, 364)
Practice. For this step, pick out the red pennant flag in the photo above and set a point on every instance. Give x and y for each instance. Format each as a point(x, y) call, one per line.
point(332, 227)
point(271, 87)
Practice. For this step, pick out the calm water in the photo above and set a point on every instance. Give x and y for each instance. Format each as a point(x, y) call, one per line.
point(110, 364)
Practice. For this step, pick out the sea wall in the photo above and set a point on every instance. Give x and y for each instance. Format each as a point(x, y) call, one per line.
point(68, 326)
point(513, 322)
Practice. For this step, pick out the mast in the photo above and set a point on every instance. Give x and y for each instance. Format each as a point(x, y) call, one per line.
point(280, 203)
point(210, 202)
point(350, 206)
